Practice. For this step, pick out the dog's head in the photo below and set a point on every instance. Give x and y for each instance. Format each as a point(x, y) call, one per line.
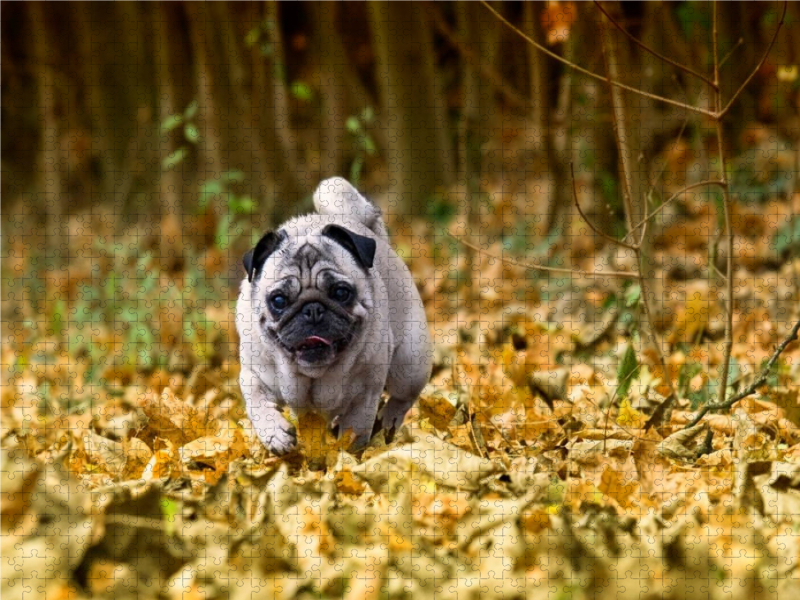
point(311, 292)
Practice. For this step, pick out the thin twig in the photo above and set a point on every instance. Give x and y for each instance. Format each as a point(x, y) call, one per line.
point(674, 196)
point(646, 48)
point(586, 220)
point(724, 111)
point(731, 51)
point(530, 40)
point(525, 265)
point(753, 387)
point(665, 165)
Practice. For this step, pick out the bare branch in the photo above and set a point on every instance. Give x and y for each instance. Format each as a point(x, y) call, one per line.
point(535, 267)
point(724, 111)
point(646, 48)
point(672, 198)
point(530, 40)
point(731, 51)
point(753, 387)
point(586, 220)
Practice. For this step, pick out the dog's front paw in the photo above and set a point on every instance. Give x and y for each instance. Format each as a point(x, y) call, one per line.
point(278, 435)
point(283, 440)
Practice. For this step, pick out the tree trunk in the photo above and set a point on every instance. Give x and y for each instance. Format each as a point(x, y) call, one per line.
point(211, 142)
point(333, 87)
point(418, 159)
point(537, 69)
point(244, 135)
point(278, 182)
point(170, 180)
point(50, 168)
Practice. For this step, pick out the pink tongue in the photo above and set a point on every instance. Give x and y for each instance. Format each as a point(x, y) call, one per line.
point(316, 339)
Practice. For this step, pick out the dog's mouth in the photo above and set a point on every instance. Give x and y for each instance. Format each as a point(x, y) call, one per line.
point(315, 349)
point(314, 342)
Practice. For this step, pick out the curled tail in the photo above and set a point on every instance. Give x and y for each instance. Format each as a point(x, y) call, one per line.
point(335, 196)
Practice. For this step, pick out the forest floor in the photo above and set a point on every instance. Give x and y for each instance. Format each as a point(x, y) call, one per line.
point(526, 469)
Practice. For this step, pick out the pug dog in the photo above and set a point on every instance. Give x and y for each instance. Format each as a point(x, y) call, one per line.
point(328, 317)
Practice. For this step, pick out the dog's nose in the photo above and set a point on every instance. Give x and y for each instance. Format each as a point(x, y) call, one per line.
point(313, 312)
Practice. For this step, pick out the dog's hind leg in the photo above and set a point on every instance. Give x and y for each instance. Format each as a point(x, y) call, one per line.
point(360, 418)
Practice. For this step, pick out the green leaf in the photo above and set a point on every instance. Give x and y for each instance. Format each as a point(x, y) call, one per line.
point(212, 186)
point(788, 236)
point(353, 125)
point(734, 371)
point(252, 37)
point(302, 91)
point(355, 170)
point(626, 371)
point(191, 110)
point(169, 508)
point(171, 123)
point(223, 232)
point(192, 133)
point(174, 159)
point(242, 206)
point(632, 295)
point(233, 176)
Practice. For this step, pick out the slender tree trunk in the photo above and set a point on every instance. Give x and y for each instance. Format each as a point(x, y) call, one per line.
point(288, 160)
point(49, 147)
point(538, 69)
point(211, 142)
point(278, 182)
point(244, 136)
point(405, 64)
point(617, 54)
point(559, 147)
point(170, 180)
point(333, 87)
point(483, 35)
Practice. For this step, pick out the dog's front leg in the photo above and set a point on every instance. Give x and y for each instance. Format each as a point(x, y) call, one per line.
point(272, 428)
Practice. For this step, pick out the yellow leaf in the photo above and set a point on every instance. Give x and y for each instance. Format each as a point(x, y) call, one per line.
point(346, 483)
point(629, 416)
point(312, 430)
point(787, 73)
point(614, 484)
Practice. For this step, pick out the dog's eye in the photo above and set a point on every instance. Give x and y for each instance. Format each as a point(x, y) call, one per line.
point(278, 302)
point(341, 293)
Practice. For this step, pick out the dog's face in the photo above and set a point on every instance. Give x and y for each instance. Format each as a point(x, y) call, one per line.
point(311, 292)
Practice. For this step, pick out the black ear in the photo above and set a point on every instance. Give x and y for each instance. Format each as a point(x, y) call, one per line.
point(362, 248)
point(255, 258)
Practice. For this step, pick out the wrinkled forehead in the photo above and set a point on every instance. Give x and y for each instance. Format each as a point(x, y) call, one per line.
point(308, 261)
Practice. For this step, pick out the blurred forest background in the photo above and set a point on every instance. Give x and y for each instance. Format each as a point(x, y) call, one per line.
point(217, 109)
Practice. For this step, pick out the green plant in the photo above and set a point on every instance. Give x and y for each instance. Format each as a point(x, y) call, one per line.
point(357, 126)
point(787, 239)
point(223, 190)
point(190, 135)
point(262, 35)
